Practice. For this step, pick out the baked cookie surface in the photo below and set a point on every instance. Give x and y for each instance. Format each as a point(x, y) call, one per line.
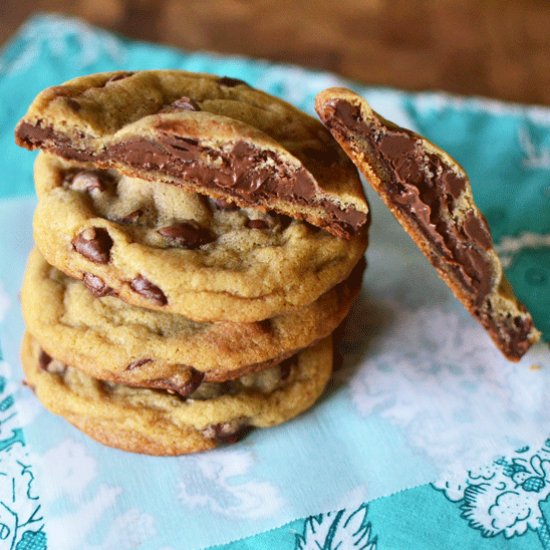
point(207, 134)
point(111, 340)
point(157, 247)
point(430, 195)
point(158, 423)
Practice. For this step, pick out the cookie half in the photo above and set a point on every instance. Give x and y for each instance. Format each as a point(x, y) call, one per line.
point(111, 340)
point(206, 134)
point(158, 247)
point(430, 195)
point(157, 423)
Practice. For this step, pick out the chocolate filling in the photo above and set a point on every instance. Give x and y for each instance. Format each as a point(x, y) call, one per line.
point(425, 189)
point(243, 171)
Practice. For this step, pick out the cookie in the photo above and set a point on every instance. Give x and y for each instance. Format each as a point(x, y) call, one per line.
point(158, 423)
point(111, 340)
point(158, 247)
point(429, 193)
point(206, 134)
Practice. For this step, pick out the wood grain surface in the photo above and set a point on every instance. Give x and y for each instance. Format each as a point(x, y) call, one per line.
point(497, 48)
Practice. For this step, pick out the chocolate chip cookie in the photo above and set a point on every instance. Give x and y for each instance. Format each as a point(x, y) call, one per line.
point(205, 134)
point(430, 195)
point(111, 340)
point(159, 423)
point(158, 247)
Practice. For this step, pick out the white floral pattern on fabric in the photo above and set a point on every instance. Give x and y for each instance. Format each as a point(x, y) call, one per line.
point(21, 518)
point(338, 531)
point(505, 496)
point(211, 481)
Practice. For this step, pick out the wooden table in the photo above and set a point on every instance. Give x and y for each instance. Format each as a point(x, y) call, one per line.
point(497, 48)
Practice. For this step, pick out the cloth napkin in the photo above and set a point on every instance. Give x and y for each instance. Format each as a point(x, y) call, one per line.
point(427, 438)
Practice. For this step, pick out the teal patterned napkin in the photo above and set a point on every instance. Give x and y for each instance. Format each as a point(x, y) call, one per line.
point(426, 422)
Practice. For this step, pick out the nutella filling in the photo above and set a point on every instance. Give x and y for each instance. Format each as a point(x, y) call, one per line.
point(425, 189)
point(243, 171)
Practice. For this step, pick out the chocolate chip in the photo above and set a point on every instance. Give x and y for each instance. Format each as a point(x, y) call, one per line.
point(94, 244)
point(185, 103)
point(257, 224)
point(265, 326)
point(187, 234)
point(138, 363)
point(284, 221)
point(119, 76)
point(224, 205)
point(191, 384)
point(231, 82)
point(44, 360)
point(226, 432)
point(148, 290)
point(73, 104)
point(88, 180)
point(132, 217)
point(285, 367)
point(97, 286)
point(47, 363)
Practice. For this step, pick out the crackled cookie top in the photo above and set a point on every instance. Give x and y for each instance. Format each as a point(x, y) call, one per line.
point(430, 195)
point(156, 422)
point(111, 340)
point(158, 247)
point(207, 134)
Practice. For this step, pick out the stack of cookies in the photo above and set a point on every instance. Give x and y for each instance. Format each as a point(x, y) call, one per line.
point(198, 242)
